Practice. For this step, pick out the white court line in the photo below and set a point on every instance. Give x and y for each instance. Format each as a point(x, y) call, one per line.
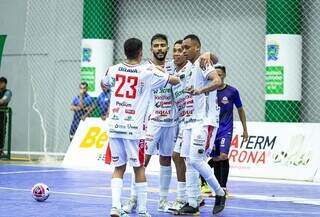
point(32, 171)
point(156, 201)
point(300, 200)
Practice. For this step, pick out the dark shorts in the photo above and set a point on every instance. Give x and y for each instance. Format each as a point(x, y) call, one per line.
point(221, 145)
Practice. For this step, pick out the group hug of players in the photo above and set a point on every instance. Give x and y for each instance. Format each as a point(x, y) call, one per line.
point(180, 109)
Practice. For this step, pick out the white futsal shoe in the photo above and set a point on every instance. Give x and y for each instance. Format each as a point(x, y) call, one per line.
point(115, 212)
point(144, 214)
point(130, 205)
point(164, 206)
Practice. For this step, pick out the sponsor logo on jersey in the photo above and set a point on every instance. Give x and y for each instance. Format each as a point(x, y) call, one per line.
point(123, 104)
point(128, 118)
point(163, 113)
point(179, 93)
point(162, 97)
point(165, 90)
point(166, 104)
point(130, 111)
point(115, 117)
point(186, 113)
point(189, 102)
point(224, 100)
point(119, 126)
point(130, 126)
point(124, 69)
point(181, 102)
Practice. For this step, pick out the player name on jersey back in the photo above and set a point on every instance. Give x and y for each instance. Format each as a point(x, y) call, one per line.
point(130, 86)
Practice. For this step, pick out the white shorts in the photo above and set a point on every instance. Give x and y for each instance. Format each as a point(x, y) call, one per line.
point(196, 140)
point(160, 138)
point(127, 150)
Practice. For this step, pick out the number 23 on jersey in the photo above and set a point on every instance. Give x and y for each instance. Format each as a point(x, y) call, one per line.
point(127, 87)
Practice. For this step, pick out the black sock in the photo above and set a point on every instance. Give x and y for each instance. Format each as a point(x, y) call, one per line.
point(217, 170)
point(224, 169)
point(211, 162)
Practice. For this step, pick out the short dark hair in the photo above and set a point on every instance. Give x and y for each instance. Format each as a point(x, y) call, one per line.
point(177, 42)
point(132, 47)
point(84, 83)
point(193, 38)
point(219, 66)
point(159, 36)
point(3, 80)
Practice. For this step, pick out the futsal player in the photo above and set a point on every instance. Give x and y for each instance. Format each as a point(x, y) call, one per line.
point(228, 97)
point(200, 127)
point(182, 70)
point(161, 126)
point(131, 84)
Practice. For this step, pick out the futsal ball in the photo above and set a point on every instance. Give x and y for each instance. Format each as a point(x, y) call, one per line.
point(40, 192)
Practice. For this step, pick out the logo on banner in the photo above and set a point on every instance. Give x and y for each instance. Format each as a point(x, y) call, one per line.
point(254, 151)
point(86, 54)
point(95, 137)
point(273, 51)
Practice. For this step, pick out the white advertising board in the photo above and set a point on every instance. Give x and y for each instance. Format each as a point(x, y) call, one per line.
point(274, 150)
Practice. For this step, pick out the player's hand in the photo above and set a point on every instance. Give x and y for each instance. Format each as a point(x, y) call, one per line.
point(205, 60)
point(193, 91)
point(208, 151)
point(245, 136)
point(79, 107)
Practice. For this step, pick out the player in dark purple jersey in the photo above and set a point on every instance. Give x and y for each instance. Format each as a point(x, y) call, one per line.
point(228, 97)
point(82, 105)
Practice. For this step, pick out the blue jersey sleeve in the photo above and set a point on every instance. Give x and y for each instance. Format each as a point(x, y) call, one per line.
point(90, 100)
point(75, 101)
point(237, 100)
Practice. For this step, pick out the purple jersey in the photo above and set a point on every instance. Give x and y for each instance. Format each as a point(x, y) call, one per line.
point(87, 101)
point(227, 97)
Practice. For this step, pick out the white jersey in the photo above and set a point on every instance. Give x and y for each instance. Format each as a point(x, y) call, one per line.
point(162, 108)
point(131, 85)
point(204, 107)
point(179, 94)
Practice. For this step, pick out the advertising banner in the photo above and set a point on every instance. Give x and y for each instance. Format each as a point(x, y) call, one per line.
point(276, 150)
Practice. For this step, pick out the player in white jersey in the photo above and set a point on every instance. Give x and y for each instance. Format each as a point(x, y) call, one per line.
point(200, 127)
point(182, 70)
point(130, 85)
point(161, 126)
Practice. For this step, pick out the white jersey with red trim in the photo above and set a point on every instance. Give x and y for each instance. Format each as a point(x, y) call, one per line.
point(204, 107)
point(179, 94)
point(131, 86)
point(162, 108)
